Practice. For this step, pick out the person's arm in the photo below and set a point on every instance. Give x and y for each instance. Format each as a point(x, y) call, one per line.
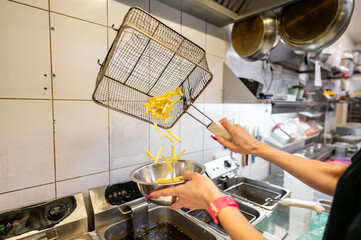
point(197, 193)
point(318, 175)
point(237, 226)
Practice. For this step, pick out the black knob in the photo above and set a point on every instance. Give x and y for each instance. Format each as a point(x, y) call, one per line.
point(55, 212)
point(227, 163)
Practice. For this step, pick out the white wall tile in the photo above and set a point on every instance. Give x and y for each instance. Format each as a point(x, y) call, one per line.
point(259, 169)
point(25, 52)
point(215, 112)
point(231, 112)
point(191, 130)
point(77, 46)
point(194, 156)
point(216, 43)
point(26, 197)
point(90, 10)
point(129, 137)
point(82, 184)
point(166, 14)
point(122, 174)
point(156, 141)
point(213, 93)
point(81, 138)
point(194, 29)
point(36, 3)
point(208, 154)
point(26, 144)
point(118, 8)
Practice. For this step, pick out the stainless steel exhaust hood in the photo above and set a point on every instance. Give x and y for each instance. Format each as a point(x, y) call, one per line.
point(223, 12)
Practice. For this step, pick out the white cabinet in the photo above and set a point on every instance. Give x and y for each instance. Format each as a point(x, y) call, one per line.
point(25, 52)
point(77, 45)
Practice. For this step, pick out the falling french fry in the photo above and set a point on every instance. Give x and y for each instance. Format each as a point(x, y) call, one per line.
point(170, 139)
point(177, 158)
point(158, 154)
point(174, 136)
point(169, 164)
point(156, 128)
point(149, 154)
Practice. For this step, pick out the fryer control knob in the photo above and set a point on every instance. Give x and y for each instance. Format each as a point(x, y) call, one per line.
point(227, 163)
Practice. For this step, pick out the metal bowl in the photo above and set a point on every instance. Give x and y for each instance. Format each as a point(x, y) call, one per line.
point(146, 175)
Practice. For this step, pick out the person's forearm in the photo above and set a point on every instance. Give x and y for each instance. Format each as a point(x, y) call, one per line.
point(237, 226)
point(320, 176)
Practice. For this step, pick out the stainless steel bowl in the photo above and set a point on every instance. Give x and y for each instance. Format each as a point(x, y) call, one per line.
point(146, 175)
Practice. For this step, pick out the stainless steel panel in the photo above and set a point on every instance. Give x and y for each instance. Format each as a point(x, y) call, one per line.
point(75, 224)
point(160, 213)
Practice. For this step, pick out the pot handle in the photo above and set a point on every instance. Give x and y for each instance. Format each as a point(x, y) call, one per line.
point(315, 206)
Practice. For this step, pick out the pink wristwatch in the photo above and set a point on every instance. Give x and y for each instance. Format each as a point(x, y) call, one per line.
point(217, 205)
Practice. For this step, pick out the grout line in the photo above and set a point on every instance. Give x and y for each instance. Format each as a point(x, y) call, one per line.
point(86, 175)
point(62, 14)
point(20, 189)
point(108, 108)
point(129, 166)
point(28, 5)
point(65, 15)
point(52, 100)
point(42, 99)
point(47, 99)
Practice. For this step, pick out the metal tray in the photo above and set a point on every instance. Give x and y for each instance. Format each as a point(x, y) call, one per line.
point(252, 214)
point(157, 215)
point(258, 193)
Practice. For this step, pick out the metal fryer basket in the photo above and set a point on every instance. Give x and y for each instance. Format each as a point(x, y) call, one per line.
point(147, 59)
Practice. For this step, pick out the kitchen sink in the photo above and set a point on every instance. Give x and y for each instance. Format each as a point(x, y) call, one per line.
point(163, 224)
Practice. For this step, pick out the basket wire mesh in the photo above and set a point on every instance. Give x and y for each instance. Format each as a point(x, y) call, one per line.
point(147, 59)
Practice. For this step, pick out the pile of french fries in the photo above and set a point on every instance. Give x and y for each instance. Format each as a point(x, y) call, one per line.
point(160, 108)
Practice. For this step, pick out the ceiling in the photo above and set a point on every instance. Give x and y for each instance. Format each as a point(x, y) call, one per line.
point(354, 29)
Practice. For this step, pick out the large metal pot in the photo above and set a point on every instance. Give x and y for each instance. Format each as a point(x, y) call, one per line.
point(254, 38)
point(146, 175)
point(312, 25)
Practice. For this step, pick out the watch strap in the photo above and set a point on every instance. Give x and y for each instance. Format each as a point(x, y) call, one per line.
point(217, 205)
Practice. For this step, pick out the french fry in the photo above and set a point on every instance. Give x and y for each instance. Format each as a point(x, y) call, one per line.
point(177, 158)
point(160, 107)
point(170, 139)
point(158, 154)
point(168, 163)
point(174, 103)
point(176, 179)
point(179, 91)
point(173, 154)
point(149, 154)
point(156, 128)
point(174, 136)
point(179, 178)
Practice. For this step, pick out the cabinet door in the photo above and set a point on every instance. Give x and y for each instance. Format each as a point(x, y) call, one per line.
point(76, 45)
point(25, 52)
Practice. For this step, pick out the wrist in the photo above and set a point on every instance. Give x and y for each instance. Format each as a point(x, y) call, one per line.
point(258, 148)
point(211, 196)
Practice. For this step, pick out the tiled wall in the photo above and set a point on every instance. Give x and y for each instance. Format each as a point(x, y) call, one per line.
point(54, 141)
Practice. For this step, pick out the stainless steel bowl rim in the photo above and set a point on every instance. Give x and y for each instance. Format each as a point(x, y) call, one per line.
point(131, 174)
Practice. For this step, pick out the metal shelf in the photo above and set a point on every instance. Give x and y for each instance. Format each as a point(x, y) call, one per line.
point(221, 15)
point(295, 107)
